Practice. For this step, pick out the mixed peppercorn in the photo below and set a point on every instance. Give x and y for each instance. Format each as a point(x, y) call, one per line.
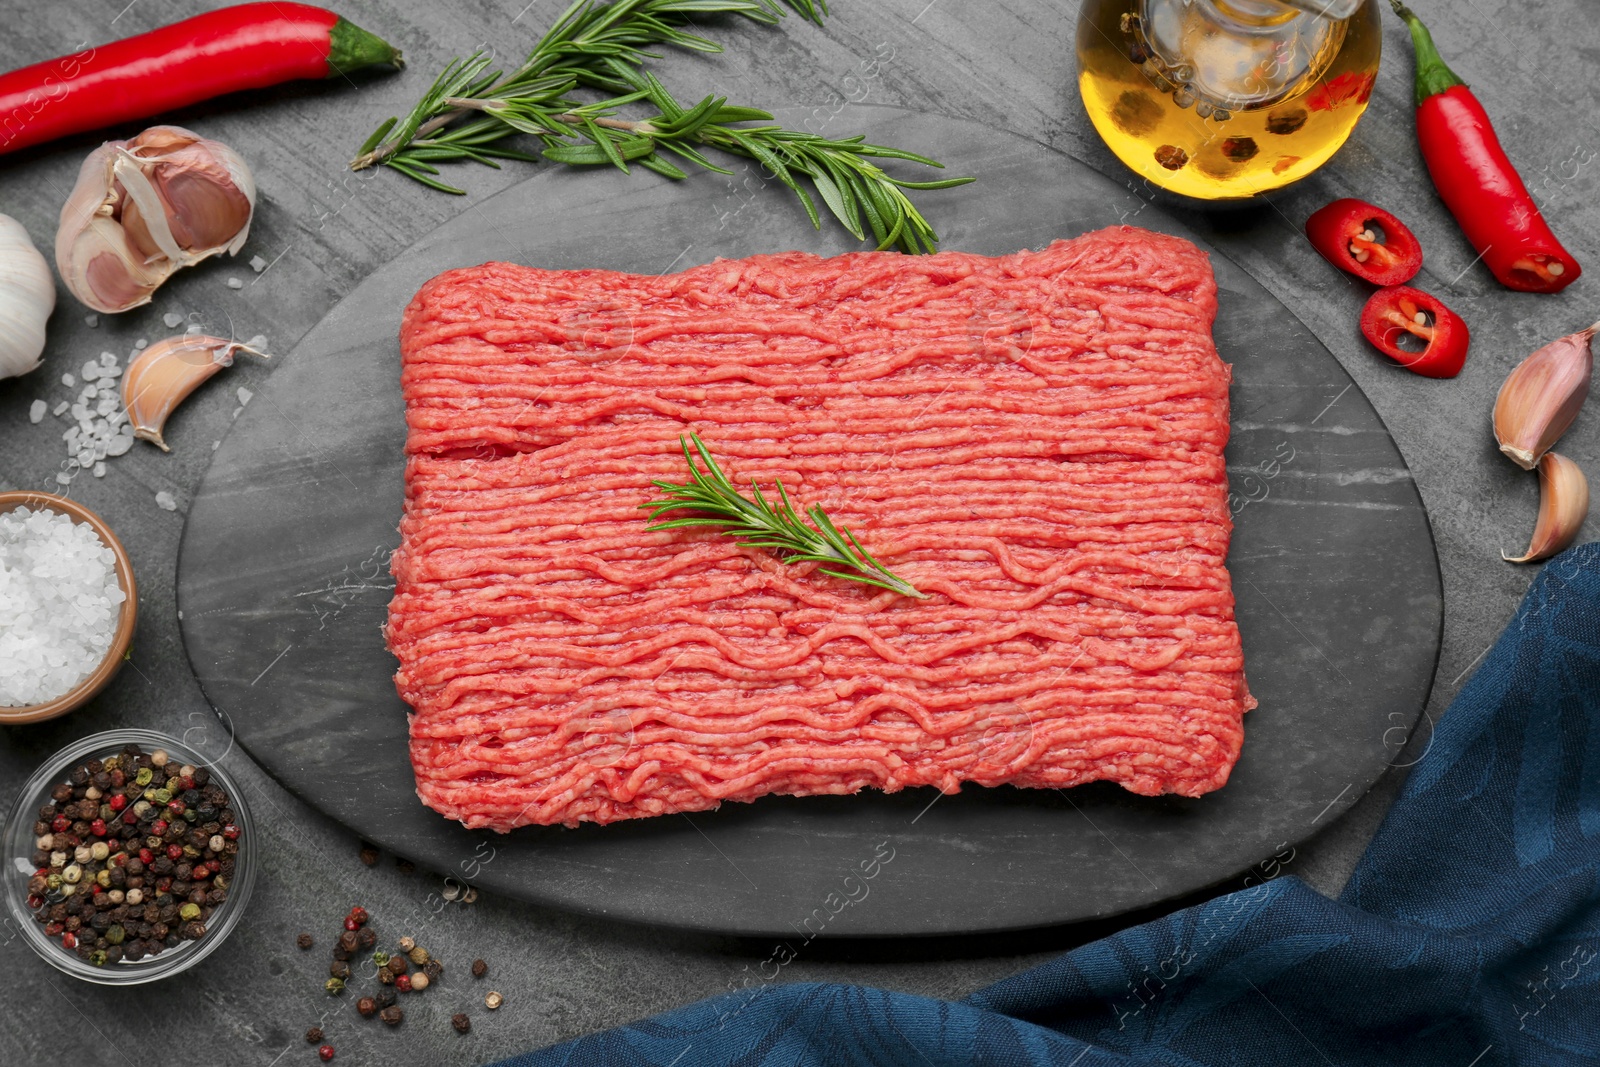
point(411, 968)
point(133, 856)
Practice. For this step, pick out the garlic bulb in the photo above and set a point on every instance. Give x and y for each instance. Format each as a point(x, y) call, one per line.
point(145, 208)
point(27, 296)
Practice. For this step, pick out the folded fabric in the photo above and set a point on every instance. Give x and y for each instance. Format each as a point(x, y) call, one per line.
point(1468, 936)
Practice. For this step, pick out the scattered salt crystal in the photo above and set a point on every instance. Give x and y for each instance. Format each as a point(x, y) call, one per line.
point(119, 444)
point(91, 371)
point(141, 343)
point(63, 477)
point(245, 396)
point(235, 283)
point(85, 457)
point(236, 412)
point(258, 264)
point(91, 321)
point(172, 318)
point(215, 445)
point(59, 601)
point(165, 501)
point(194, 328)
point(108, 359)
point(59, 409)
point(100, 469)
point(36, 411)
point(68, 380)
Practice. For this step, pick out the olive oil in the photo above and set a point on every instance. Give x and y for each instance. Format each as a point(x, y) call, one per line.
point(1224, 99)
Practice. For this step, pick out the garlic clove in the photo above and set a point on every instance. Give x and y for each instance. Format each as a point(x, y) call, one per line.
point(166, 372)
point(1542, 396)
point(1563, 506)
point(173, 198)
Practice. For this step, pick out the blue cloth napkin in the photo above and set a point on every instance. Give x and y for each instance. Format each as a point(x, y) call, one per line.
point(1469, 935)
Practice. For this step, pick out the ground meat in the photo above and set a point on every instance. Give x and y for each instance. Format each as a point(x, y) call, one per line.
point(1035, 440)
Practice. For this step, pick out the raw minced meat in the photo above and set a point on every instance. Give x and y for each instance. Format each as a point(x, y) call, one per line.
point(1035, 440)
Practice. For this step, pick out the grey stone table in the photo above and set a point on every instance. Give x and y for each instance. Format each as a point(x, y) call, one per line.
point(1007, 62)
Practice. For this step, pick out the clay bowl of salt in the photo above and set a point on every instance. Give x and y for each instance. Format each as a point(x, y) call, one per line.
point(65, 641)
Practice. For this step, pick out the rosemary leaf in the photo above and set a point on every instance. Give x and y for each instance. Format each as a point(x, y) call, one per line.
point(600, 47)
point(759, 524)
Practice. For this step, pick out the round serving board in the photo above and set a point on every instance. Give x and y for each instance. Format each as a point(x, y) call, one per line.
point(283, 586)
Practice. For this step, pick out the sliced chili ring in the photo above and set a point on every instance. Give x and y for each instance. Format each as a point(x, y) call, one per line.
point(1365, 240)
point(1399, 312)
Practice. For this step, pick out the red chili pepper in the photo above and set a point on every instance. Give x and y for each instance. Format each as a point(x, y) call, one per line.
point(1399, 310)
point(1367, 241)
point(250, 46)
point(1477, 182)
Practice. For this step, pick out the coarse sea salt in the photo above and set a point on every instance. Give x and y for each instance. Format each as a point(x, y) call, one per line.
point(59, 604)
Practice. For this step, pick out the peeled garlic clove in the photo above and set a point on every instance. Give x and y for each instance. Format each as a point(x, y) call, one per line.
point(1542, 396)
point(159, 379)
point(27, 296)
point(145, 208)
point(1563, 505)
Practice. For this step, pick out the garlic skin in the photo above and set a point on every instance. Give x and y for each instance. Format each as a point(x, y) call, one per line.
point(27, 296)
point(1563, 506)
point(1542, 396)
point(145, 208)
point(165, 373)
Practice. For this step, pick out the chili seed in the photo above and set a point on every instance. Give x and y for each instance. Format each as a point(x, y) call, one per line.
point(460, 1021)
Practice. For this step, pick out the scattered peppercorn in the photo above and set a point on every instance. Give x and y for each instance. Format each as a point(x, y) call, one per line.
point(418, 955)
point(479, 968)
point(126, 865)
point(407, 944)
point(366, 938)
point(493, 1001)
point(402, 982)
point(369, 855)
point(392, 1015)
point(326, 1052)
point(340, 970)
point(349, 941)
point(359, 914)
point(405, 865)
point(460, 1021)
point(419, 982)
point(334, 986)
point(367, 1006)
point(433, 969)
point(385, 998)
point(314, 1036)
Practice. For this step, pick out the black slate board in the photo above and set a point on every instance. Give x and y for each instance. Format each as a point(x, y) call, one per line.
point(283, 585)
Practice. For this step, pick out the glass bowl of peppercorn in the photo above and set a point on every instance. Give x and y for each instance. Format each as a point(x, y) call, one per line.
point(132, 858)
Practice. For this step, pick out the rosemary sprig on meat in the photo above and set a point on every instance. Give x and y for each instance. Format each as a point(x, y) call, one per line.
point(760, 524)
point(471, 113)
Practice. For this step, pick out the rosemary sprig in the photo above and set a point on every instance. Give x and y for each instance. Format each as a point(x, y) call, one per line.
point(759, 524)
point(470, 112)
